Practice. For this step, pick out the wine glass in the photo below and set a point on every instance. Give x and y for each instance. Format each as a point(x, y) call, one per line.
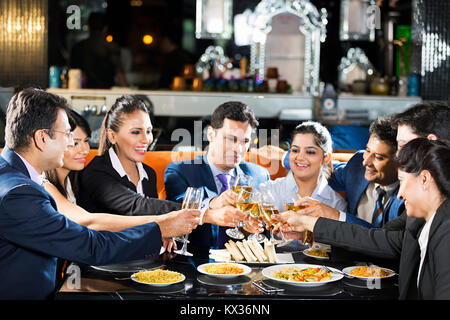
point(242, 182)
point(308, 238)
point(267, 209)
point(255, 212)
point(192, 200)
point(242, 203)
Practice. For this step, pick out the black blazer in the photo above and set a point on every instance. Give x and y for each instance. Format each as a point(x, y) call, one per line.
point(103, 190)
point(434, 280)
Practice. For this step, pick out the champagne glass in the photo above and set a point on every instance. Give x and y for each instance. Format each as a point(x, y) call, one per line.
point(308, 238)
point(267, 209)
point(242, 203)
point(242, 182)
point(255, 212)
point(192, 200)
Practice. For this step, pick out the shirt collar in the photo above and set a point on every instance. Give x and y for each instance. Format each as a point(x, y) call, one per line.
point(216, 171)
point(34, 175)
point(389, 188)
point(117, 165)
point(319, 190)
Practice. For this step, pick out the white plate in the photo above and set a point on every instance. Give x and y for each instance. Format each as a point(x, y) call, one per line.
point(153, 284)
point(349, 269)
point(268, 273)
point(306, 253)
point(247, 270)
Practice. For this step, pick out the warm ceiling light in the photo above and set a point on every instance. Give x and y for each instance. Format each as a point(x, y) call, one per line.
point(109, 38)
point(136, 3)
point(147, 39)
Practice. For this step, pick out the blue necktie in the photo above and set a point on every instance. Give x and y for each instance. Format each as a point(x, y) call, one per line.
point(378, 212)
point(222, 237)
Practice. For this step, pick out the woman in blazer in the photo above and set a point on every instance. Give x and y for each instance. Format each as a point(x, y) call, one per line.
point(424, 245)
point(117, 181)
point(62, 184)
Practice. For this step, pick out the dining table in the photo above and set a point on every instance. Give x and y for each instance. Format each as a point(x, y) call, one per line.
point(113, 282)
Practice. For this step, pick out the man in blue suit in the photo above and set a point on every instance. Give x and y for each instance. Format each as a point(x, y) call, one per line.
point(369, 180)
point(32, 232)
point(229, 137)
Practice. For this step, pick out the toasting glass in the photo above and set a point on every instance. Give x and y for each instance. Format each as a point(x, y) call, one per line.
point(242, 183)
point(308, 238)
point(268, 208)
point(192, 200)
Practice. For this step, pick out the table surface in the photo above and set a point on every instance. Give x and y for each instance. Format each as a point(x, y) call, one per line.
point(85, 282)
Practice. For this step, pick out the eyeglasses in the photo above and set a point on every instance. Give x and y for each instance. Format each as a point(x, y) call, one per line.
point(69, 135)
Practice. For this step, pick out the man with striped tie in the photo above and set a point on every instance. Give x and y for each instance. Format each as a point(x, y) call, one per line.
point(229, 136)
point(369, 180)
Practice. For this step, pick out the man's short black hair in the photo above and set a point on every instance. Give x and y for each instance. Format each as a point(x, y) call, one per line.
point(28, 111)
point(383, 129)
point(233, 110)
point(430, 117)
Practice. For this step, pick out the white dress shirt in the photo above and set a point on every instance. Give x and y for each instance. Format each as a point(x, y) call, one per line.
point(285, 189)
point(423, 243)
point(117, 165)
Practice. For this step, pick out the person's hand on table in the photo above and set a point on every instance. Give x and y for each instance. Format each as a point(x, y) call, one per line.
point(316, 209)
point(169, 244)
point(226, 198)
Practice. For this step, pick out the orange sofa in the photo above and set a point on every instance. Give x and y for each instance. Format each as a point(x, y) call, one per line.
point(159, 160)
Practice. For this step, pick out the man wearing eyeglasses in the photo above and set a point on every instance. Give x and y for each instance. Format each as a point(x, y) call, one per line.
point(32, 232)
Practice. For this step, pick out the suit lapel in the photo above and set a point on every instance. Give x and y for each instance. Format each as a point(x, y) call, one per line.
point(208, 182)
point(409, 262)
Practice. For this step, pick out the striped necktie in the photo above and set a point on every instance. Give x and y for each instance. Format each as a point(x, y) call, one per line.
point(222, 235)
point(377, 217)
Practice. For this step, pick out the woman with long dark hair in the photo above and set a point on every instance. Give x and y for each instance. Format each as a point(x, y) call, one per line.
point(423, 247)
point(62, 184)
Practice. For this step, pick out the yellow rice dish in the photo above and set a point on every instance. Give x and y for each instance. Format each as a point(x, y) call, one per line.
point(370, 272)
point(158, 276)
point(223, 268)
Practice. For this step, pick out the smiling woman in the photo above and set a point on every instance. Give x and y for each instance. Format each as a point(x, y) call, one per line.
point(117, 180)
point(309, 160)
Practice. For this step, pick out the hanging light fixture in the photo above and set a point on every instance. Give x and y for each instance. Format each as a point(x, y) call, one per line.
point(213, 19)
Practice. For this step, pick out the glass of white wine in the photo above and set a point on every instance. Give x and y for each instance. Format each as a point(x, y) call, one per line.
point(242, 203)
point(192, 200)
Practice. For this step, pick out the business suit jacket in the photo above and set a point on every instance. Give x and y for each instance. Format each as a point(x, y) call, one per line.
point(349, 177)
point(103, 190)
point(434, 281)
point(197, 173)
point(33, 234)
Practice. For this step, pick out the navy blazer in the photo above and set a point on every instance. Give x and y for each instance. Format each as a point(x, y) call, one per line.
point(434, 278)
point(197, 173)
point(33, 234)
point(349, 177)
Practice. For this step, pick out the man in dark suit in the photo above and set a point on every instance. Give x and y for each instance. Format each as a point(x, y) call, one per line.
point(229, 137)
point(33, 233)
point(369, 180)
